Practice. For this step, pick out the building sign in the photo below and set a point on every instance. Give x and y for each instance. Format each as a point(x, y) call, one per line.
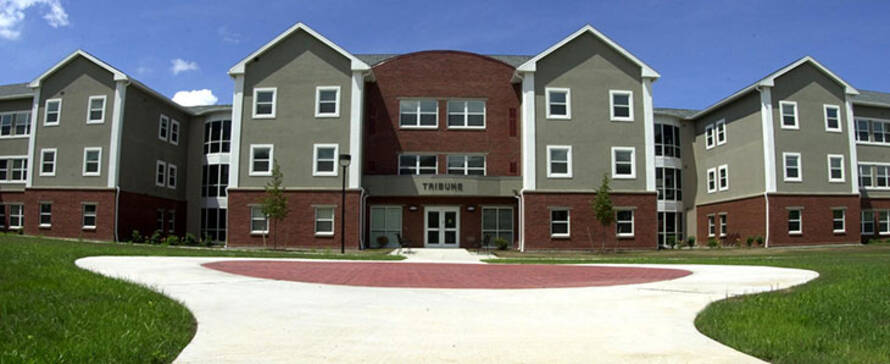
point(443, 186)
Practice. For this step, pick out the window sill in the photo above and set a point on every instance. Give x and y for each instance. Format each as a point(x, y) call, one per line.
point(260, 174)
point(625, 236)
point(324, 174)
point(324, 235)
point(96, 122)
point(25, 136)
point(557, 117)
point(426, 127)
point(467, 128)
point(45, 226)
point(840, 232)
point(795, 233)
point(89, 228)
point(47, 125)
point(263, 117)
point(327, 116)
point(622, 120)
point(560, 236)
point(786, 127)
point(259, 233)
point(624, 177)
point(793, 181)
point(834, 131)
point(559, 176)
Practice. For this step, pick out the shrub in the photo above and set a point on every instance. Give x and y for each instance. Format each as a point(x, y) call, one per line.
point(190, 240)
point(713, 243)
point(501, 243)
point(759, 240)
point(382, 240)
point(172, 240)
point(672, 241)
point(136, 237)
point(750, 241)
point(690, 241)
point(156, 237)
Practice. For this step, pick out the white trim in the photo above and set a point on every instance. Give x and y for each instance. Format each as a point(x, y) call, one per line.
point(633, 163)
point(55, 160)
point(851, 141)
point(633, 223)
point(315, 220)
point(118, 75)
point(649, 134)
point(723, 223)
point(840, 124)
point(568, 211)
point(418, 113)
point(46, 112)
point(722, 171)
point(336, 162)
point(90, 108)
point(356, 128)
point(83, 215)
point(568, 149)
point(799, 177)
point(466, 114)
point(165, 127)
point(799, 231)
point(32, 137)
point(318, 113)
point(568, 92)
point(843, 220)
point(719, 126)
point(172, 174)
point(782, 125)
point(441, 229)
point(529, 143)
point(712, 225)
point(769, 146)
point(271, 159)
point(40, 214)
point(117, 127)
point(711, 172)
point(162, 167)
point(630, 101)
point(709, 129)
point(836, 180)
point(237, 117)
point(253, 107)
point(174, 124)
point(98, 171)
point(645, 70)
point(250, 220)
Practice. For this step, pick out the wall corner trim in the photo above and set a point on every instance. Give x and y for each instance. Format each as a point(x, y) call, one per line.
point(649, 133)
point(117, 126)
point(237, 115)
point(529, 148)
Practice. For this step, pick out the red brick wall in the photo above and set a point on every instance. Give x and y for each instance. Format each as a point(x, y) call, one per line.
point(8, 197)
point(298, 229)
point(470, 221)
point(585, 231)
point(139, 212)
point(67, 213)
point(817, 219)
point(744, 218)
point(873, 204)
point(442, 75)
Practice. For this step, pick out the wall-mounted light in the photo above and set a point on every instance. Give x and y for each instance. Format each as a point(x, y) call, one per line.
point(412, 208)
point(471, 208)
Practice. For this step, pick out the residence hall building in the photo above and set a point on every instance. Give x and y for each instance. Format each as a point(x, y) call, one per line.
point(448, 149)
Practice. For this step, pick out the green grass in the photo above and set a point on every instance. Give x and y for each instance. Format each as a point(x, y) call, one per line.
point(842, 316)
point(52, 311)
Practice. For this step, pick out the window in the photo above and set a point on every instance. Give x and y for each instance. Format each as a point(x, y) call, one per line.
point(160, 174)
point(723, 178)
point(873, 131)
point(862, 131)
point(324, 221)
point(171, 176)
point(835, 168)
point(795, 221)
point(497, 222)
point(89, 216)
point(882, 177)
point(261, 159)
point(712, 228)
point(386, 221)
point(91, 161)
point(884, 222)
point(264, 102)
point(624, 223)
point(865, 176)
point(259, 224)
point(217, 136)
point(621, 103)
point(96, 109)
point(723, 226)
point(468, 165)
point(667, 140)
point(327, 101)
point(466, 114)
point(48, 162)
point(878, 132)
point(52, 112)
point(720, 128)
point(832, 118)
point(174, 132)
point(868, 222)
point(324, 160)
point(213, 224)
point(159, 220)
point(559, 103)
point(712, 180)
point(14, 169)
point(2, 217)
point(789, 114)
point(709, 137)
point(214, 180)
point(559, 161)
point(419, 114)
point(15, 123)
point(623, 163)
point(792, 167)
point(559, 223)
point(418, 164)
point(839, 220)
point(171, 221)
point(46, 215)
point(670, 228)
point(667, 183)
point(16, 216)
point(164, 128)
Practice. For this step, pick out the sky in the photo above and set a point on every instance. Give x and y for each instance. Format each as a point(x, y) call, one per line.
point(704, 50)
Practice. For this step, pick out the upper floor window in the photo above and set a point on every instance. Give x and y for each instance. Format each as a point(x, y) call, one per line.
point(96, 109)
point(15, 123)
point(174, 132)
point(668, 184)
point(327, 101)
point(466, 114)
point(164, 127)
point(874, 176)
point(48, 162)
point(264, 100)
point(13, 169)
point(418, 164)
point(160, 173)
point(52, 112)
point(92, 158)
point(835, 168)
point(723, 178)
point(623, 163)
point(324, 160)
point(712, 180)
point(559, 103)
point(217, 136)
point(875, 131)
point(261, 159)
point(788, 111)
point(214, 180)
point(419, 114)
point(709, 136)
point(667, 140)
point(832, 118)
point(473, 165)
point(559, 161)
point(720, 129)
point(621, 105)
point(792, 167)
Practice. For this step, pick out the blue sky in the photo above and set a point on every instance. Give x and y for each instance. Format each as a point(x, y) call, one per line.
point(704, 50)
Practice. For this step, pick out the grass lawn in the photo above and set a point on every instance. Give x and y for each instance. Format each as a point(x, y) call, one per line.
point(842, 316)
point(52, 311)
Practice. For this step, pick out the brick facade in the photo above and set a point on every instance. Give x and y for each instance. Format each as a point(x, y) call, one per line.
point(67, 213)
point(140, 212)
point(817, 219)
point(744, 218)
point(875, 204)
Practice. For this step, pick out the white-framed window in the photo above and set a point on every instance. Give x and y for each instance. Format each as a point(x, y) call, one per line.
point(720, 129)
point(419, 114)
point(164, 127)
point(324, 220)
point(159, 220)
point(497, 222)
point(466, 114)
point(621, 105)
point(15, 124)
point(712, 180)
point(264, 100)
point(624, 163)
point(171, 221)
point(832, 118)
point(710, 142)
point(324, 159)
point(792, 166)
point(92, 161)
point(624, 223)
point(160, 173)
point(52, 112)
point(668, 183)
point(872, 131)
point(2, 216)
point(559, 161)
point(712, 226)
point(862, 130)
point(836, 168)
point(259, 223)
point(839, 220)
point(16, 216)
point(171, 176)
point(46, 215)
point(96, 109)
point(865, 176)
point(559, 103)
point(261, 156)
point(868, 222)
point(387, 221)
point(723, 178)
point(48, 162)
point(724, 225)
point(884, 222)
point(418, 164)
point(174, 132)
point(89, 216)
point(788, 112)
point(14, 169)
point(882, 177)
point(559, 222)
point(327, 101)
point(467, 165)
point(795, 221)
point(217, 136)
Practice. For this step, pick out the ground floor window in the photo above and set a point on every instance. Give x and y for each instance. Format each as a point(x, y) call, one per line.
point(171, 221)
point(324, 220)
point(559, 222)
point(2, 216)
point(884, 222)
point(624, 223)
point(213, 224)
point(670, 228)
point(16, 216)
point(259, 224)
point(159, 220)
point(497, 222)
point(724, 225)
point(46, 214)
point(839, 220)
point(712, 227)
point(386, 225)
point(89, 216)
point(868, 222)
point(795, 221)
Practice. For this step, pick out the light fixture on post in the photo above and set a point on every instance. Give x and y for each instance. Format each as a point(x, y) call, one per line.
point(344, 159)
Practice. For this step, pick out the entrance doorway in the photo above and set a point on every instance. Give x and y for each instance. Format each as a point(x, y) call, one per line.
point(441, 227)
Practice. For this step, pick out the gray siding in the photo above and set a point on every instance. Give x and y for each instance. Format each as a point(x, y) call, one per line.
point(17, 145)
point(873, 153)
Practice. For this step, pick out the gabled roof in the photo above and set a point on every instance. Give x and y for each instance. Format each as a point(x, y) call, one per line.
point(511, 59)
point(531, 65)
point(15, 91)
point(770, 81)
point(872, 98)
point(679, 113)
point(357, 64)
point(118, 75)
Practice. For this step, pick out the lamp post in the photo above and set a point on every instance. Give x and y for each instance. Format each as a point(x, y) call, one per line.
point(344, 162)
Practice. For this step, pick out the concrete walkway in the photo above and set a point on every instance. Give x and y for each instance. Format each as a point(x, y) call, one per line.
point(440, 255)
point(243, 319)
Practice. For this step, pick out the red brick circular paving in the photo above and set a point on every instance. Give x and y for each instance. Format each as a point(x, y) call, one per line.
point(433, 275)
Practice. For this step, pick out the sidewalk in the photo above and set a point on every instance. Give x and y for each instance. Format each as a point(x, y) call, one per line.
point(441, 255)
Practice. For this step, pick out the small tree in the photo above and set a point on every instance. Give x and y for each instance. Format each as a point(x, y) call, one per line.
point(603, 209)
point(274, 205)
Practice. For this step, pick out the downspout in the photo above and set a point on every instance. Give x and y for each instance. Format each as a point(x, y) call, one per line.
point(521, 218)
point(361, 223)
point(766, 239)
point(117, 199)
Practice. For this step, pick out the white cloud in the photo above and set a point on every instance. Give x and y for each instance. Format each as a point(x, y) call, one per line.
point(180, 65)
point(12, 14)
point(195, 98)
point(228, 36)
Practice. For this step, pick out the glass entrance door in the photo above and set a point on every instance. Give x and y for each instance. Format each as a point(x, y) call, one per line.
point(442, 227)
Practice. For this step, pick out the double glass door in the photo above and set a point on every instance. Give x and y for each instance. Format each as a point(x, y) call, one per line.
point(442, 227)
